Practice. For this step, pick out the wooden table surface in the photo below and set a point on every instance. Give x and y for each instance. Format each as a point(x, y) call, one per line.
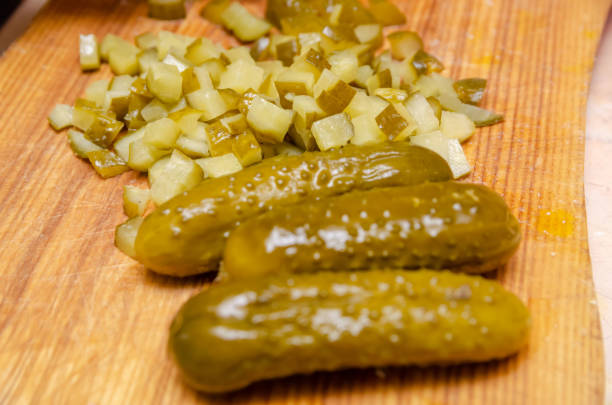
point(81, 323)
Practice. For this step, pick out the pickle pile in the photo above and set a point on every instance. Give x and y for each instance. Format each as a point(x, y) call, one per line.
point(315, 171)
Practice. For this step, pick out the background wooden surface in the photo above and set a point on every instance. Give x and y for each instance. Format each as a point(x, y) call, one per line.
point(81, 323)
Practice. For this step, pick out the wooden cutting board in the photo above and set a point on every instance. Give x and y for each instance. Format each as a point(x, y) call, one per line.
point(81, 323)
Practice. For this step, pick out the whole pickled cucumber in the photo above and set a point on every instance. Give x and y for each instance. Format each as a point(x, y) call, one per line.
point(242, 331)
point(186, 235)
point(447, 225)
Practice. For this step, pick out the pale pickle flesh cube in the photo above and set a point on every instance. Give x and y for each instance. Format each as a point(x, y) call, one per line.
point(333, 132)
point(125, 236)
point(161, 133)
point(269, 121)
point(457, 160)
point(135, 200)
point(165, 82)
point(457, 126)
point(219, 166)
point(209, 101)
point(245, 26)
point(423, 114)
point(434, 141)
point(367, 131)
point(60, 117)
point(89, 56)
point(173, 175)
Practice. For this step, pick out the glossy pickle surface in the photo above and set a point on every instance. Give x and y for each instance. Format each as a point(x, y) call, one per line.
point(445, 225)
point(242, 331)
point(186, 235)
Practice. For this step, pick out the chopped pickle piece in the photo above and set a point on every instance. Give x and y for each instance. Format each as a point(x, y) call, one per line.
point(172, 176)
point(367, 131)
point(317, 59)
point(363, 74)
point(405, 44)
point(125, 235)
point(333, 132)
point(213, 10)
point(103, 130)
point(180, 62)
point(210, 102)
point(187, 119)
point(269, 121)
point(168, 41)
point(386, 13)
point(201, 50)
point(434, 141)
point(370, 34)
point(135, 200)
point(423, 114)
point(435, 106)
point(245, 25)
point(231, 98)
point(391, 122)
point(241, 76)
point(286, 50)
point(234, 124)
point(337, 98)
point(146, 59)
point(434, 85)
point(457, 160)
point(363, 104)
point(293, 83)
point(237, 53)
point(457, 126)
point(89, 55)
point(167, 9)
point(60, 117)
point(196, 78)
point(165, 82)
point(154, 111)
point(260, 50)
point(146, 40)
point(381, 79)
point(425, 63)
point(302, 137)
point(480, 116)
point(106, 163)
point(122, 145)
point(142, 155)
point(220, 165)
point(80, 145)
point(344, 64)
point(246, 148)
point(219, 140)
point(96, 92)
point(215, 68)
point(470, 91)
point(391, 95)
point(161, 133)
point(124, 60)
point(193, 148)
point(110, 42)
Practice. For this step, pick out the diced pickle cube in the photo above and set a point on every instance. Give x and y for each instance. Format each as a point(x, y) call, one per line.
point(479, 116)
point(457, 126)
point(234, 124)
point(60, 117)
point(405, 44)
point(146, 59)
point(291, 85)
point(391, 122)
point(363, 104)
point(135, 200)
point(124, 60)
point(161, 133)
point(180, 62)
point(170, 41)
point(89, 55)
point(167, 9)
point(425, 63)
point(435, 106)
point(220, 141)
point(457, 160)
point(210, 102)
point(173, 175)
point(434, 141)
point(80, 145)
point(110, 42)
point(286, 50)
point(142, 155)
point(241, 76)
point(103, 130)
point(326, 80)
point(386, 13)
point(96, 92)
point(220, 165)
point(246, 148)
point(337, 98)
point(106, 163)
point(317, 59)
point(391, 95)
point(270, 122)
point(165, 82)
point(370, 34)
point(245, 25)
point(213, 10)
point(421, 111)
point(146, 40)
point(333, 132)
point(201, 50)
point(122, 145)
point(154, 111)
point(380, 79)
point(237, 53)
point(125, 236)
point(344, 64)
point(367, 131)
point(261, 49)
point(470, 91)
point(434, 85)
point(363, 75)
point(193, 148)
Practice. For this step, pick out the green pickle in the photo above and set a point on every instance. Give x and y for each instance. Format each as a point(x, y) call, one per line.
point(470, 91)
point(242, 331)
point(186, 235)
point(447, 225)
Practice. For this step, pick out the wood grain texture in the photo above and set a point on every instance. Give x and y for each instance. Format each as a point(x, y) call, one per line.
point(81, 323)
